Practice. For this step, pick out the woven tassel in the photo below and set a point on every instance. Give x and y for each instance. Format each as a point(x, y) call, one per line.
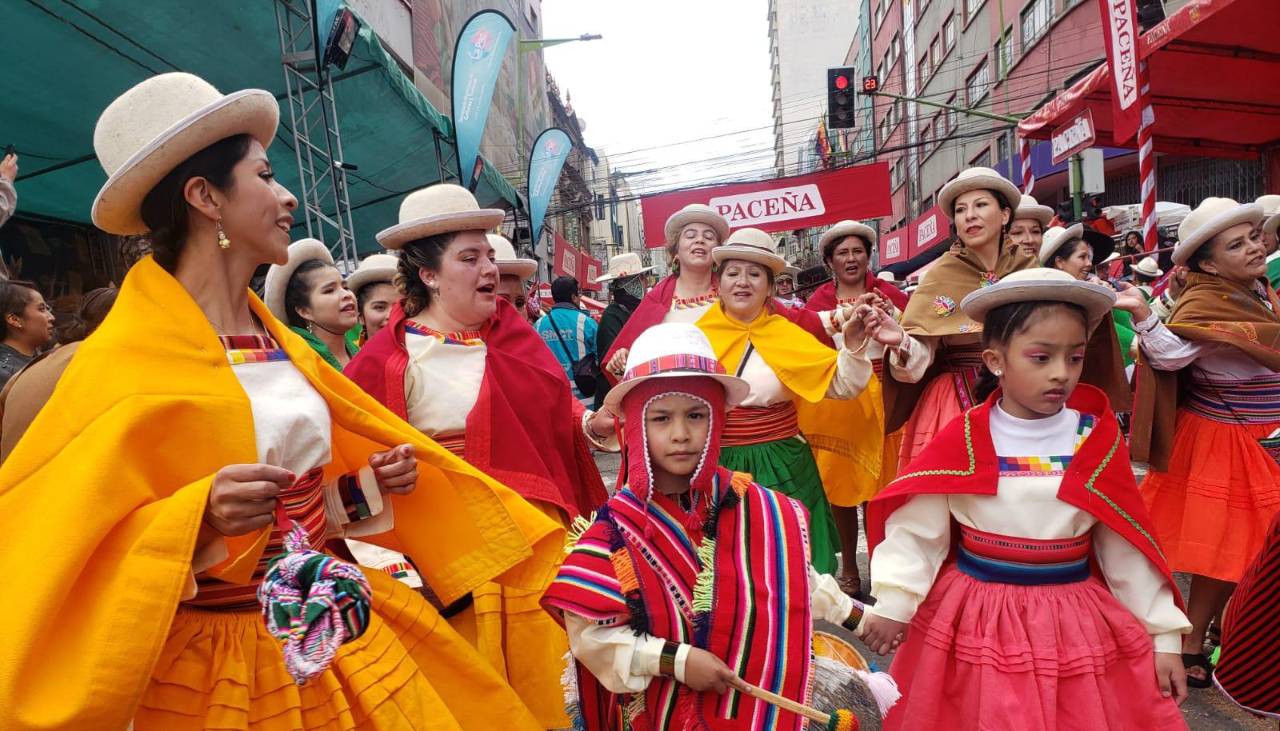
point(634, 708)
point(572, 696)
point(704, 587)
point(883, 688)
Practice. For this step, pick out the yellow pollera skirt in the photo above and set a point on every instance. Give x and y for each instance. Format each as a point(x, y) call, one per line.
point(409, 670)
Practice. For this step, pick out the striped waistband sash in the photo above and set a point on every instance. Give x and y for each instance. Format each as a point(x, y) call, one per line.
point(303, 502)
point(1255, 401)
point(747, 425)
point(1025, 561)
point(456, 443)
point(877, 367)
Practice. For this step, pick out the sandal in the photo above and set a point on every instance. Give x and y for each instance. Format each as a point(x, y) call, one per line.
point(1197, 660)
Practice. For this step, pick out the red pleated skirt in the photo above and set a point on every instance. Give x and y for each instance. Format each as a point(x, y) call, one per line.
point(1057, 657)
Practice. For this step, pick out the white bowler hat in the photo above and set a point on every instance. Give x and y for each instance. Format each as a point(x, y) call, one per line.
point(674, 350)
point(976, 179)
point(696, 213)
point(886, 276)
point(1148, 267)
point(841, 229)
point(1041, 284)
point(750, 244)
point(1030, 208)
point(1270, 205)
point(623, 265)
point(504, 255)
point(1210, 218)
point(156, 126)
point(278, 276)
point(438, 209)
point(1057, 237)
point(790, 270)
point(372, 270)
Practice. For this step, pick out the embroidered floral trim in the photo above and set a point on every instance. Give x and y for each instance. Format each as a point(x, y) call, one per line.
point(986, 279)
point(943, 306)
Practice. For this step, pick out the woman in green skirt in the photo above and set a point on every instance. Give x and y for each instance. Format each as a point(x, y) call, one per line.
point(782, 363)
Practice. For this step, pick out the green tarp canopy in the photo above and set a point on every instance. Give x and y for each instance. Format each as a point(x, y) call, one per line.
point(64, 61)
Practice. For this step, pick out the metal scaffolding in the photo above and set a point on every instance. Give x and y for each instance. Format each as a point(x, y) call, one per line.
point(313, 120)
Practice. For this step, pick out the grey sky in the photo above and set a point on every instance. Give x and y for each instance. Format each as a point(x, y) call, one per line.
point(668, 72)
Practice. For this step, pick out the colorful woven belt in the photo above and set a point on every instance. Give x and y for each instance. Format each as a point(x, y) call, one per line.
point(1255, 401)
point(456, 443)
point(1024, 561)
point(748, 425)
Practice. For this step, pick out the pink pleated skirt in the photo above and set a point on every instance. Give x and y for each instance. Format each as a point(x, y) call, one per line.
point(1056, 657)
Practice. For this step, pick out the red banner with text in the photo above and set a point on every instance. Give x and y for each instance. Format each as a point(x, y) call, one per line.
point(565, 263)
point(781, 204)
point(893, 246)
point(927, 231)
point(1120, 32)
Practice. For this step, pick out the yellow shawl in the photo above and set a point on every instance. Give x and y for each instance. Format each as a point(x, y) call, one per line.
point(804, 365)
point(101, 501)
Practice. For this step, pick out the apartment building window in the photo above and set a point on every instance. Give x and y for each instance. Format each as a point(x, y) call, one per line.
point(882, 10)
point(983, 160)
point(926, 139)
point(920, 9)
point(1004, 53)
point(923, 67)
point(971, 7)
point(1002, 147)
point(897, 173)
point(949, 32)
point(895, 50)
point(1035, 20)
point(951, 115)
point(935, 52)
point(978, 84)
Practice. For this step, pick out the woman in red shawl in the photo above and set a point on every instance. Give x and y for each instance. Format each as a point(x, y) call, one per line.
point(470, 372)
point(684, 296)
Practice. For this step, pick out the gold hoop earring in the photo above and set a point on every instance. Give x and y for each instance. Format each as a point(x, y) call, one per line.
point(224, 243)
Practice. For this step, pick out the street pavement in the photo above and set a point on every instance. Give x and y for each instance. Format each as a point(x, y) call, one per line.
point(1205, 709)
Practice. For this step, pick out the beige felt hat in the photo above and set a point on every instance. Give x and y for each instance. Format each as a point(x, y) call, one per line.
point(623, 265)
point(1270, 205)
point(1210, 218)
point(1057, 237)
point(842, 229)
point(790, 270)
point(504, 255)
point(157, 125)
point(976, 179)
point(886, 276)
point(674, 350)
point(372, 270)
point(750, 244)
point(1030, 208)
point(696, 213)
point(438, 209)
point(278, 276)
point(1148, 267)
point(1040, 284)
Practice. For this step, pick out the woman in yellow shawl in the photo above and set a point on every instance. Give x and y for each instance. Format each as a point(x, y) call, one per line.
point(138, 508)
point(784, 365)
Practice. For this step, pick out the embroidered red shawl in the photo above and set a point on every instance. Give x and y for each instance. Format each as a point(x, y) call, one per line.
point(657, 303)
point(1099, 480)
point(509, 434)
point(824, 297)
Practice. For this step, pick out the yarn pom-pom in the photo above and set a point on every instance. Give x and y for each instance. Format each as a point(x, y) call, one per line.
point(842, 720)
point(883, 688)
point(312, 603)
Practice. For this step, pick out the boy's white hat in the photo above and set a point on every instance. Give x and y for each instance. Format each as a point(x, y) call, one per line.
point(674, 350)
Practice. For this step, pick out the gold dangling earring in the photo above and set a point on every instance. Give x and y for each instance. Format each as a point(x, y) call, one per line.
point(223, 242)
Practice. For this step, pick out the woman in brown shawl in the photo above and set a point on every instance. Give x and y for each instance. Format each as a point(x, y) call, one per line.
point(1208, 416)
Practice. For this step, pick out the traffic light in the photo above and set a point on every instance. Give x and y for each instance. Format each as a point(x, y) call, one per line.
point(840, 98)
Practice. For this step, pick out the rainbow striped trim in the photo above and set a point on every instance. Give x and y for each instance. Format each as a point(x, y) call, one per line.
point(354, 501)
point(243, 349)
point(695, 364)
point(399, 569)
point(682, 303)
point(1033, 466)
point(461, 337)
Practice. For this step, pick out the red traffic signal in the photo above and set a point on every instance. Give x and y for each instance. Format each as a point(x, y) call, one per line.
point(841, 110)
point(870, 84)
